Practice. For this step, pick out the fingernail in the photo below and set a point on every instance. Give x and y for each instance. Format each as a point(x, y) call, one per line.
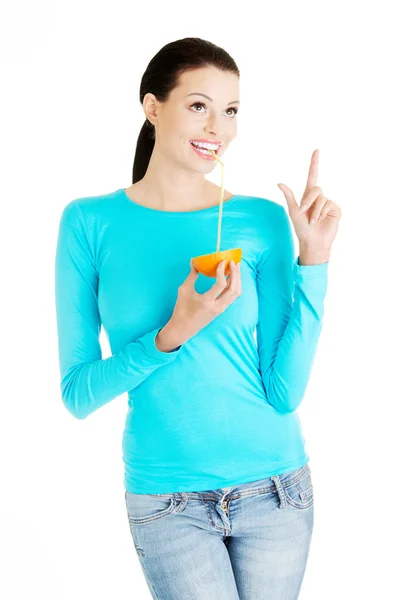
point(304, 208)
point(312, 221)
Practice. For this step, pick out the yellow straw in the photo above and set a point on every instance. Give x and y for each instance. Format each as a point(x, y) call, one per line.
point(221, 198)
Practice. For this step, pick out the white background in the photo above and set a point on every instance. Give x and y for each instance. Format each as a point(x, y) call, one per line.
point(313, 75)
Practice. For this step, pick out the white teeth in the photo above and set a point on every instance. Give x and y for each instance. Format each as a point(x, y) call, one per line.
point(206, 145)
point(203, 151)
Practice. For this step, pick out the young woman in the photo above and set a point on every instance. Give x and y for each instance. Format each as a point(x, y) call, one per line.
point(218, 488)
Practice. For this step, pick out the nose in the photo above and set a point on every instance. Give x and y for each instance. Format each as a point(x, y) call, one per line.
point(213, 130)
point(211, 133)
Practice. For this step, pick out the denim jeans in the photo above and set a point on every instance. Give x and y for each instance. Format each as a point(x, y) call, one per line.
point(249, 542)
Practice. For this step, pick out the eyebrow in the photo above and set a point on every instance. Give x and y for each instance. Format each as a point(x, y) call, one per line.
point(208, 97)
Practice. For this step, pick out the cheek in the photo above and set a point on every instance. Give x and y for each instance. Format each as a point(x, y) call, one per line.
point(233, 130)
point(187, 120)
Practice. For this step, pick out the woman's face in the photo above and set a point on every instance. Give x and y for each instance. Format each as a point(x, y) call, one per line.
point(188, 115)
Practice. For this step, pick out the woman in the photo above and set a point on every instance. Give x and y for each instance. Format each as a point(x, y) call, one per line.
point(217, 483)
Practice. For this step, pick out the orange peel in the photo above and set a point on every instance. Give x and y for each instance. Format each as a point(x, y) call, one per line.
point(207, 263)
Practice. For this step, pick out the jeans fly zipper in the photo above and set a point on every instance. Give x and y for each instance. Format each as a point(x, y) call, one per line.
point(224, 506)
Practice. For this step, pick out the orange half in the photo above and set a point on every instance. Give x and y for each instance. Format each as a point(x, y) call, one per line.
point(207, 264)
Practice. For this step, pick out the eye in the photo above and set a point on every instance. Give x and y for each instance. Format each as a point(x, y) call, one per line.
point(235, 110)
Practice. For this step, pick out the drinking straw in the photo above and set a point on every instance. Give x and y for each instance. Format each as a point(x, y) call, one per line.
point(221, 197)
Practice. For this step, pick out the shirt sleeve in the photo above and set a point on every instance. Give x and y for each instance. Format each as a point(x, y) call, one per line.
point(87, 380)
point(291, 308)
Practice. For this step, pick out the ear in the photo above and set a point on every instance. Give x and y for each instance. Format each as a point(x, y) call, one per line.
point(151, 107)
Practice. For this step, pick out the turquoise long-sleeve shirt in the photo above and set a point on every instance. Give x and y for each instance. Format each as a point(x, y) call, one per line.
point(220, 410)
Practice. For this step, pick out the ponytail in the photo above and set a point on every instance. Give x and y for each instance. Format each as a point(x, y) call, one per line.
point(144, 149)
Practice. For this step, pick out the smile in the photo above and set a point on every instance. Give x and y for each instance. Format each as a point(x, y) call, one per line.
point(201, 149)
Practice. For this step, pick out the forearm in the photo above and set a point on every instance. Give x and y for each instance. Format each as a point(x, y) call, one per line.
point(288, 375)
point(288, 331)
point(88, 383)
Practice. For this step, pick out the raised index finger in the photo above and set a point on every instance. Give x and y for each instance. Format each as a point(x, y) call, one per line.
point(312, 173)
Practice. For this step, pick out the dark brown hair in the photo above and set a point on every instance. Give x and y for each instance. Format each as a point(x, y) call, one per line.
point(162, 75)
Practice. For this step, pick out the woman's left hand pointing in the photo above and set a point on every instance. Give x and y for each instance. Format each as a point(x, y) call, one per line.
point(321, 232)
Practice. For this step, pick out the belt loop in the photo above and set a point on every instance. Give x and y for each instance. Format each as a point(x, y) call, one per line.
point(183, 498)
point(281, 491)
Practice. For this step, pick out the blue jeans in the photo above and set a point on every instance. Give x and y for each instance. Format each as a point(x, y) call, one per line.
point(249, 542)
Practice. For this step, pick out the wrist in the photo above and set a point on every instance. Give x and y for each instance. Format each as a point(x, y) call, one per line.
point(167, 339)
point(312, 255)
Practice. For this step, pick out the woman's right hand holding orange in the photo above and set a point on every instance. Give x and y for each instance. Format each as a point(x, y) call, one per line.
point(193, 311)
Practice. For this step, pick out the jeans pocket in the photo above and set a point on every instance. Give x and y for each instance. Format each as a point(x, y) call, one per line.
point(146, 508)
point(299, 490)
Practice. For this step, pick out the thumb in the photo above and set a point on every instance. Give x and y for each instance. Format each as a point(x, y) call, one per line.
point(193, 274)
point(291, 202)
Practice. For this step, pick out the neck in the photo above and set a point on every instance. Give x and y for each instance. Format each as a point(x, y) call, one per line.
point(174, 186)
